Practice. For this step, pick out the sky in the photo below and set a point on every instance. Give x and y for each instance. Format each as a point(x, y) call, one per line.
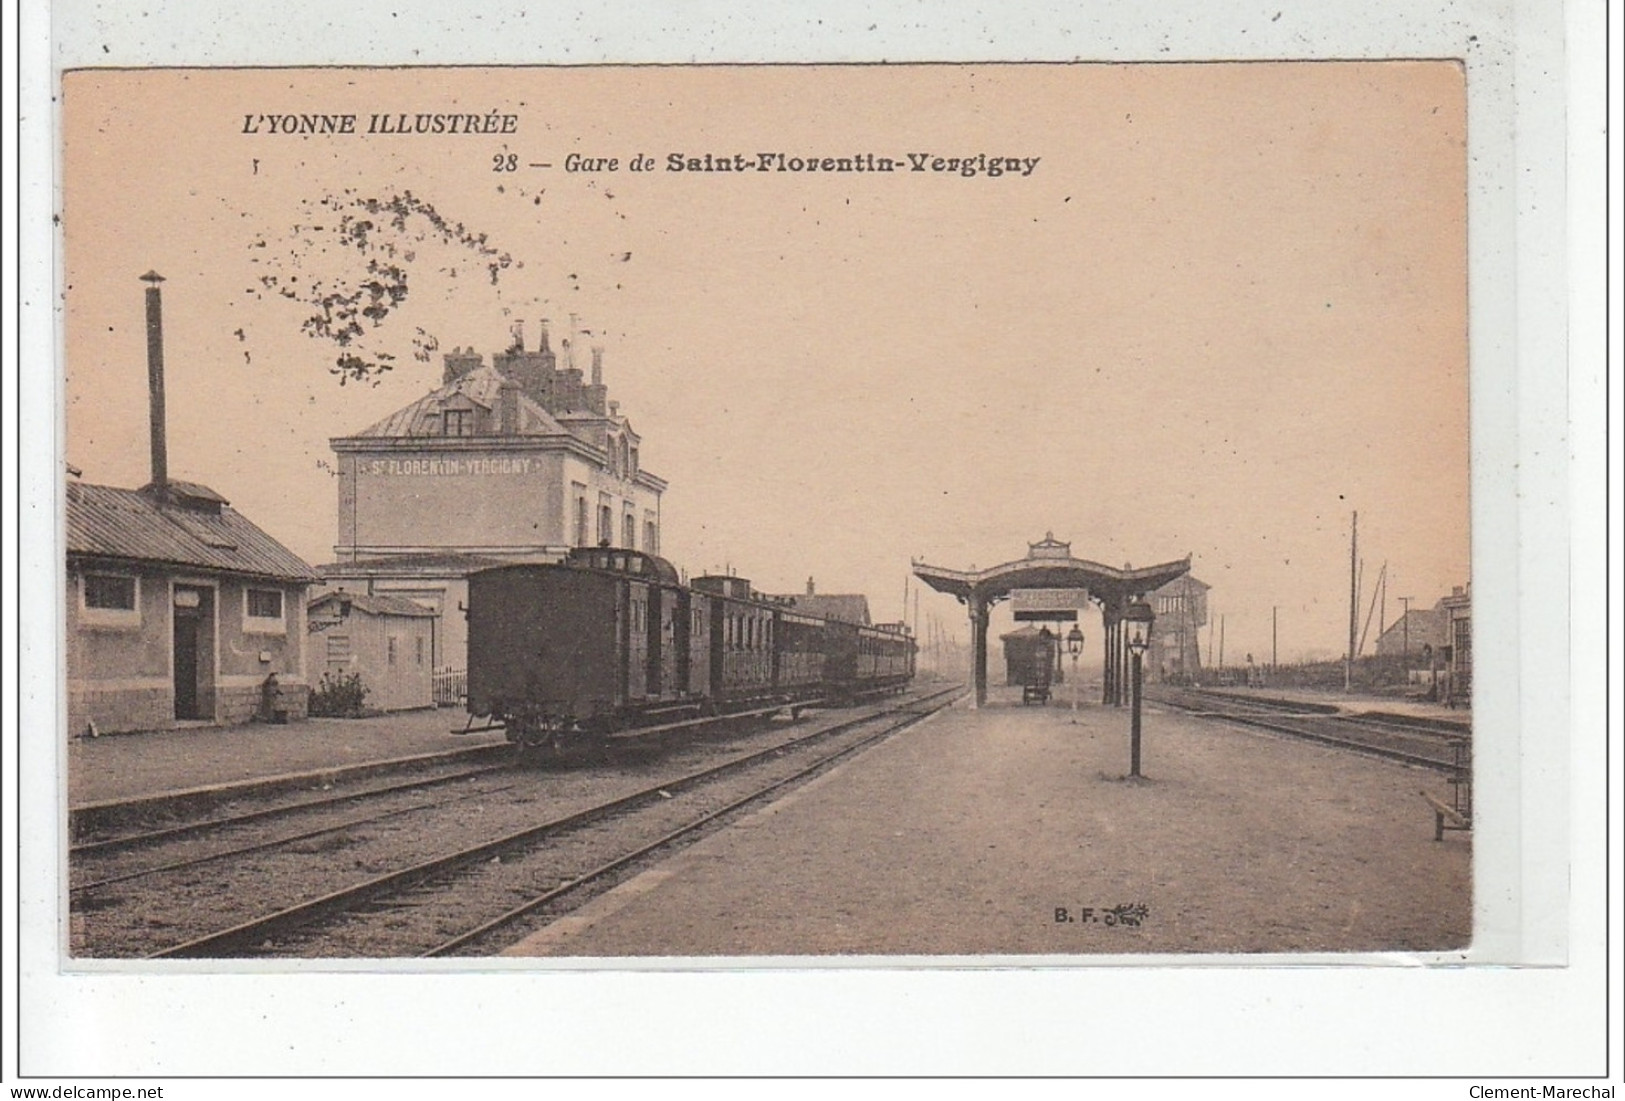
point(1224, 309)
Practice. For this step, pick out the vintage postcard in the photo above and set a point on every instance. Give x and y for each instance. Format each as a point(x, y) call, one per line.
point(887, 512)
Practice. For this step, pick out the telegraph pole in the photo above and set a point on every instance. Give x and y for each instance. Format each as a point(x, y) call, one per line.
point(1275, 636)
point(1405, 625)
point(1354, 601)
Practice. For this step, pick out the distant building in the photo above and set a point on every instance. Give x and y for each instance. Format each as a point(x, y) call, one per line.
point(1415, 629)
point(847, 607)
point(178, 609)
point(1458, 608)
point(1175, 653)
point(516, 461)
point(389, 637)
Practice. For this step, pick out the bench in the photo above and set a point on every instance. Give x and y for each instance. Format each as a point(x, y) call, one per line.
point(1034, 693)
point(1445, 813)
point(1459, 812)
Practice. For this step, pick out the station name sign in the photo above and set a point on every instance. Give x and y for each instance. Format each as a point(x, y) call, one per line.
point(1050, 605)
point(446, 468)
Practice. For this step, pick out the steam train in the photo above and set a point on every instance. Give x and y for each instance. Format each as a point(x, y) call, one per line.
point(612, 639)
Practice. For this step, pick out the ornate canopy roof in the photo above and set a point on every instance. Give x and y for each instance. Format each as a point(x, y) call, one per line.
point(1049, 565)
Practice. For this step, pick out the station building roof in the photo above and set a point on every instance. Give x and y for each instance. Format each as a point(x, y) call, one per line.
point(425, 564)
point(483, 387)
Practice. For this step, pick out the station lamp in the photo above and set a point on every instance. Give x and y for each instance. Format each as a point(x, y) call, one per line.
point(1074, 646)
point(1139, 618)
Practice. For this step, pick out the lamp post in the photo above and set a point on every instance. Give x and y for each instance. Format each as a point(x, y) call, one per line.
point(1046, 655)
point(1074, 646)
point(1138, 617)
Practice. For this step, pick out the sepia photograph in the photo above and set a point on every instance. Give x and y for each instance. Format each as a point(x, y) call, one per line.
point(989, 512)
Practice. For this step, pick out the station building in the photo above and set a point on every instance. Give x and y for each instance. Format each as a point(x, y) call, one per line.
point(513, 461)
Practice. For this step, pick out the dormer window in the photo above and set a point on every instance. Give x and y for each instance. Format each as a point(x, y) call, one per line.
point(457, 422)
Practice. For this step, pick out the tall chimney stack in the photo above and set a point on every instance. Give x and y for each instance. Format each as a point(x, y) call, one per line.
point(155, 384)
point(597, 366)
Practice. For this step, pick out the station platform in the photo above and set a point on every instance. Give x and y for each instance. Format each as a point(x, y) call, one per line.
point(1011, 830)
point(1355, 703)
point(120, 767)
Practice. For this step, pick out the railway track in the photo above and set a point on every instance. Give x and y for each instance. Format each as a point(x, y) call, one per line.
point(119, 842)
point(1424, 743)
point(405, 907)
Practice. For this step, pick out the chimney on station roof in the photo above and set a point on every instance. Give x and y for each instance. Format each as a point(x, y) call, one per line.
point(508, 408)
point(598, 366)
point(155, 384)
point(518, 330)
point(543, 346)
point(809, 586)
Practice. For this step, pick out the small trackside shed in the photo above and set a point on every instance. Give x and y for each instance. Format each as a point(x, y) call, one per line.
point(388, 640)
point(178, 610)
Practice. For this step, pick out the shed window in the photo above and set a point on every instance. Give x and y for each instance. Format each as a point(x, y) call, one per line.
point(110, 591)
point(262, 611)
point(265, 603)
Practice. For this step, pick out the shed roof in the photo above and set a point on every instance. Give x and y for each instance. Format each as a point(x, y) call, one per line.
point(375, 604)
point(136, 525)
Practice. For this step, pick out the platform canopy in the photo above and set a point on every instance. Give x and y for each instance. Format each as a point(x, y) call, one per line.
point(1049, 565)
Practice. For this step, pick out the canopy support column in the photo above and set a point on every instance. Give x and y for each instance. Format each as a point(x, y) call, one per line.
point(978, 645)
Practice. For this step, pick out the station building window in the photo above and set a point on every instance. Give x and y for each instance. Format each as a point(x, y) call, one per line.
point(629, 532)
point(457, 422)
point(651, 537)
point(606, 525)
point(581, 516)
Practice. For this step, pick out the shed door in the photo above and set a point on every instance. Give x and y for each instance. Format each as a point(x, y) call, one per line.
point(192, 616)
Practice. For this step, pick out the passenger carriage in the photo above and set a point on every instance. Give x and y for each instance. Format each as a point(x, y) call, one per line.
point(611, 639)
